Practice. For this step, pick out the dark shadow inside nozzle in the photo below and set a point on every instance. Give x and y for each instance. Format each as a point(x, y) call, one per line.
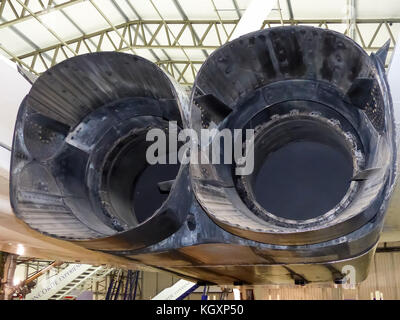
point(303, 169)
point(302, 180)
point(147, 197)
point(132, 183)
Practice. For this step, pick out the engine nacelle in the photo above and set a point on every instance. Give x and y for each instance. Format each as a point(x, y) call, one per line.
point(312, 208)
point(79, 170)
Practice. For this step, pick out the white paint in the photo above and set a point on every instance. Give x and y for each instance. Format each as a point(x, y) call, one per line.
point(175, 291)
point(13, 88)
point(20, 249)
point(236, 294)
point(252, 19)
point(46, 288)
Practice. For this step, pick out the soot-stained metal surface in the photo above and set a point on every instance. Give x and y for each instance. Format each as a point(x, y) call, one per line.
point(290, 85)
point(80, 145)
point(324, 159)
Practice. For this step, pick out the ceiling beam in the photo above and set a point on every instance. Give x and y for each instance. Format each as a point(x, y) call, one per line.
point(136, 27)
point(134, 39)
point(185, 17)
point(290, 9)
point(55, 35)
point(25, 16)
point(146, 27)
point(351, 18)
point(253, 17)
point(237, 9)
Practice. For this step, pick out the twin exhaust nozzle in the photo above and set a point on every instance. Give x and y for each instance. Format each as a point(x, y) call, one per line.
point(324, 150)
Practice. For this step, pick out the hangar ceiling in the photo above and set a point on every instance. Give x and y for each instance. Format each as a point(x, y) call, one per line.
point(178, 35)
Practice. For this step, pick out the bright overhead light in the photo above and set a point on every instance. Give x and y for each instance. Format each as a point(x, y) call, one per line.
point(16, 281)
point(253, 18)
point(20, 249)
point(236, 294)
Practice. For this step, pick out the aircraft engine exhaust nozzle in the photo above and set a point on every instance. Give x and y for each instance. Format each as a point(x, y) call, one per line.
point(79, 169)
point(310, 209)
point(324, 151)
